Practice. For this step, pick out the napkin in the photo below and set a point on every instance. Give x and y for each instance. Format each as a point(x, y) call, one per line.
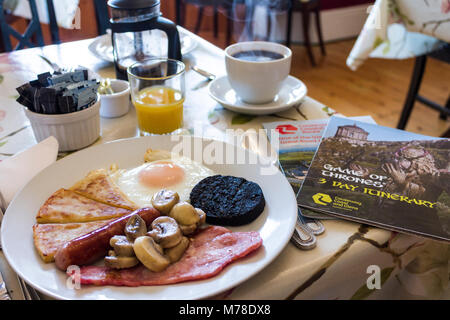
point(16, 171)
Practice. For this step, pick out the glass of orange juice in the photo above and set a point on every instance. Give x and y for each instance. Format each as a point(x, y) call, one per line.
point(158, 92)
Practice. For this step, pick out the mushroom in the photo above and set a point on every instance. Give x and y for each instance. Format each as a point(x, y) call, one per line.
point(135, 227)
point(189, 229)
point(164, 200)
point(165, 232)
point(122, 246)
point(175, 253)
point(150, 254)
point(113, 261)
point(184, 213)
point(202, 216)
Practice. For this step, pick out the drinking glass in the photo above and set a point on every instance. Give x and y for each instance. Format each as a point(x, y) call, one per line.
point(158, 91)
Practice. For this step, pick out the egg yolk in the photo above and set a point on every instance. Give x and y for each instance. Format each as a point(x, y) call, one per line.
point(161, 175)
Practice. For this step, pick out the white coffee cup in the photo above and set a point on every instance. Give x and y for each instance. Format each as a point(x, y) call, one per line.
point(257, 82)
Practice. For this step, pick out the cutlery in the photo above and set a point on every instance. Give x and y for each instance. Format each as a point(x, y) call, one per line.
point(54, 66)
point(302, 237)
point(3, 291)
point(315, 226)
point(204, 73)
point(28, 292)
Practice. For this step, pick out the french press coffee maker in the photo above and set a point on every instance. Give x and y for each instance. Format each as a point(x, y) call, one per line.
point(133, 25)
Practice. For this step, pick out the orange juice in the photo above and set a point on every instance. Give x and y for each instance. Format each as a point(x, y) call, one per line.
point(159, 109)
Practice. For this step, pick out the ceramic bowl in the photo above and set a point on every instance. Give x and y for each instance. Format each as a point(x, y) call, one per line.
point(73, 131)
point(116, 104)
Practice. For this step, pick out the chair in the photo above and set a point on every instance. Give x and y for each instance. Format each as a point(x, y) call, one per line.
point(32, 36)
point(202, 4)
point(442, 54)
point(54, 29)
point(102, 16)
point(306, 7)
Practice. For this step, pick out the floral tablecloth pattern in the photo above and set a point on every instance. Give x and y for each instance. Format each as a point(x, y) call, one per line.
point(410, 267)
point(399, 29)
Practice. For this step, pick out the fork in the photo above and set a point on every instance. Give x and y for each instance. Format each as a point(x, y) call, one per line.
point(53, 65)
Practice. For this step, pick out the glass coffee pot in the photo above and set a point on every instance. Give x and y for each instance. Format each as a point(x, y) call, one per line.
point(139, 32)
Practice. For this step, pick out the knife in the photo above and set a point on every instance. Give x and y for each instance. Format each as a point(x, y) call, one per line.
point(3, 292)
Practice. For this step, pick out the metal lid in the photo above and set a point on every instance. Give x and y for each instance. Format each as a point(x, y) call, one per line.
point(132, 4)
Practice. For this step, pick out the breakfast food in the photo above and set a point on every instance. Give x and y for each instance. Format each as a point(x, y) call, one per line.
point(98, 186)
point(164, 200)
point(94, 245)
point(176, 173)
point(155, 155)
point(228, 200)
point(49, 237)
point(140, 223)
point(163, 244)
point(210, 250)
point(66, 206)
point(166, 232)
point(150, 254)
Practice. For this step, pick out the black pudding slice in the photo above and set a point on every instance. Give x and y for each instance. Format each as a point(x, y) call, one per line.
point(228, 200)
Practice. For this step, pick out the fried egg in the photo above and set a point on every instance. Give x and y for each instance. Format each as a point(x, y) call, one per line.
point(177, 173)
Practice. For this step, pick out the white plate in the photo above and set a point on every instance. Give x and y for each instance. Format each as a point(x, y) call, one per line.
point(275, 224)
point(292, 92)
point(101, 47)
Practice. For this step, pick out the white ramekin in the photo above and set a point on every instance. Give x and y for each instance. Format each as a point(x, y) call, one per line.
point(116, 104)
point(73, 131)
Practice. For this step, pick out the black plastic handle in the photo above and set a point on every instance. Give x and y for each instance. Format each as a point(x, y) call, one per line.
point(173, 36)
point(163, 24)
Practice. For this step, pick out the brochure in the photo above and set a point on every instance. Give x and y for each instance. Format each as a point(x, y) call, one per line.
point(298, 142)
point(381, 176)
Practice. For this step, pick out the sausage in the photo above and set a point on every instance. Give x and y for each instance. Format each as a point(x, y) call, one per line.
point(92, 246)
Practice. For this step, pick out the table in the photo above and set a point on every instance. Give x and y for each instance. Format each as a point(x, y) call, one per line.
point(346, 254)
point(399, 29)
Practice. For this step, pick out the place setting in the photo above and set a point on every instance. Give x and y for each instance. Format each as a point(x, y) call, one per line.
point(257, 80)
point(101, 186)
point(195, 166)
point(156, 88)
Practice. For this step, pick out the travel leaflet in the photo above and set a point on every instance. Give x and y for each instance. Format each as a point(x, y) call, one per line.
point(297, 144)
point(381, 176)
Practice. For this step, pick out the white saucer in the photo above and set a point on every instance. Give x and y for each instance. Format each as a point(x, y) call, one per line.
point(292, 91)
